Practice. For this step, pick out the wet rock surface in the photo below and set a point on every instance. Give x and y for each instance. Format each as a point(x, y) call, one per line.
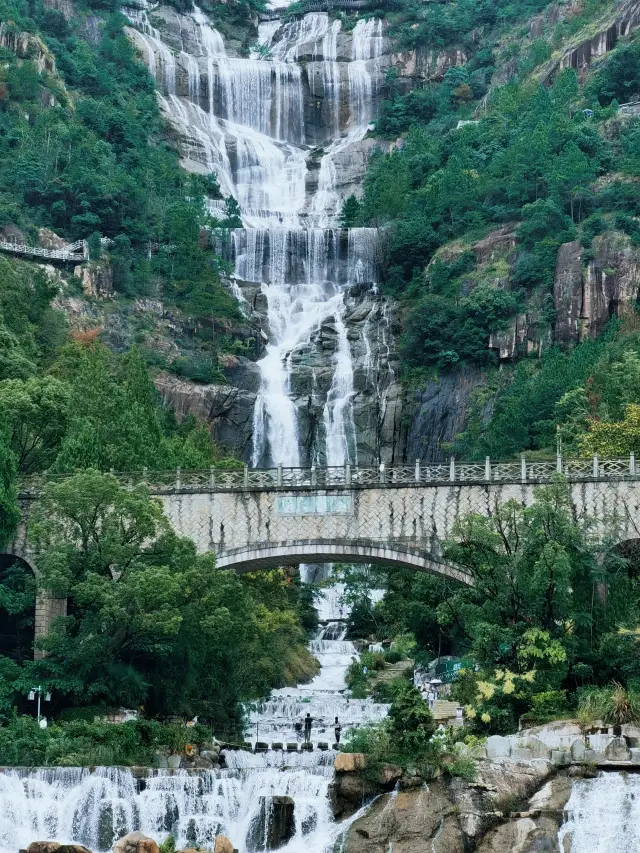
point(506, 809)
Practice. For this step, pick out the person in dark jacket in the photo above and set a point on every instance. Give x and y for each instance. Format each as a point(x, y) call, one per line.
point(308, 720)
point(337, 729)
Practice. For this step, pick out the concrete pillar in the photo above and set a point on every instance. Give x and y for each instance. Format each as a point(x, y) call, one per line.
point(47, 609)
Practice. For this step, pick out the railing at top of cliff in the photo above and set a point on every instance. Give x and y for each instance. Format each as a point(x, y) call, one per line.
point(74, 252)
point(306, 6)
point(301, 8)
point(349, 476)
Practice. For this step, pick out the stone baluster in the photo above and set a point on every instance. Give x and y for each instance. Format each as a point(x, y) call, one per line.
point(212, 478)
point(452, 469)
point(314, 477)
point(383, 473)
point(559, 463)
point(246, 477)
point(279, 476)
point(417, 470)
point(596, 466)
point(487, 468)
point(632, 464)
point(347, 474)
point(178, 479)
point(523, 469)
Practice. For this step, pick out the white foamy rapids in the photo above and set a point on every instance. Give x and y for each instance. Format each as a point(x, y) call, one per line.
point(368, 47)
point(340, 430)
point(603, 815)
point(94, 809)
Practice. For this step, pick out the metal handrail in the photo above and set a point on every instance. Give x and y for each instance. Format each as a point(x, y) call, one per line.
point(354, 477)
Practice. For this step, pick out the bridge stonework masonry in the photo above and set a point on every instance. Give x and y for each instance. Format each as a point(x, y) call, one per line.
point(256, 519)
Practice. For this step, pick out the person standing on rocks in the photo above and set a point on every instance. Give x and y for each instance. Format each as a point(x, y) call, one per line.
point(307, 728)
point(337, 730)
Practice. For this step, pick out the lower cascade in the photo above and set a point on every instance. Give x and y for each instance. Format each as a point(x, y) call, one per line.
point(261, 800)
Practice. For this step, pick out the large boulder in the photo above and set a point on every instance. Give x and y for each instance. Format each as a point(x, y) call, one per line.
point(222, 845)
point(498, 747)
point(43, 847)
point(617, 750)
point(578, 750)
point(349, 762)
point(419, 821)
point(135, 842)
point(349, 792)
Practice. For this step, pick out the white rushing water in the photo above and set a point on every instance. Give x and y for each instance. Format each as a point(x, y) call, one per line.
point(95, 808)
point(603, 815)
point(244, 119)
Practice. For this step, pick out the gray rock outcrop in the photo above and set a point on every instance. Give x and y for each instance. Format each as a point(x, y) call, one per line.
point(273, 826)
point(586, 298)
point(512, 807)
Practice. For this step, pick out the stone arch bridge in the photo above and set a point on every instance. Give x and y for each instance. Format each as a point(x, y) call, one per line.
point(254, 519)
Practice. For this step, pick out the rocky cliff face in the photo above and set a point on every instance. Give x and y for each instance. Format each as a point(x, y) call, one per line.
point(508, 808)
point(588, 295)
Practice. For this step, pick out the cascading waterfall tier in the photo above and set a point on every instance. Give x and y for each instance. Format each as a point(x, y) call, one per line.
point(279, 129)
point(603, 815)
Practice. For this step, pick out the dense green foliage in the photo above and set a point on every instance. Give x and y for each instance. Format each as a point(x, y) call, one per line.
point(150, 623)
point(82, 152)
point(585, 398)
point(550, 611)
point(530, 161)
point(82, 742)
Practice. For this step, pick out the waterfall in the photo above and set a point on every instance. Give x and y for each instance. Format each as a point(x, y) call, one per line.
point(245, 119)
point(603, 815)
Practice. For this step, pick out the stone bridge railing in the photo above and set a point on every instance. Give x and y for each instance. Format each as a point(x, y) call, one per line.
point(353, 477)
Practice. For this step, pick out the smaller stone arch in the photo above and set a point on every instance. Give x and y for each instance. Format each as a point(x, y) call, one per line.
point(15, 642)
point(47, 607)
point(269, 555)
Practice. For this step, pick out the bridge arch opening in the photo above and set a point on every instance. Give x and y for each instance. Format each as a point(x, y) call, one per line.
point(17, 620)
point(271, 555)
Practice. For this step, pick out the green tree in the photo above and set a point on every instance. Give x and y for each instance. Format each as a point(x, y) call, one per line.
point(9, 507)
point(36, 412)
point(351, 212)
point(149, 621)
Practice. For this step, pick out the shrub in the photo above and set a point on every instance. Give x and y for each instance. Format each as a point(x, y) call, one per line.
point(612, 705)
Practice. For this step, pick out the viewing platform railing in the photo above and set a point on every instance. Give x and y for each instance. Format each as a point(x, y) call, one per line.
point(74, 253)
point(351, 476)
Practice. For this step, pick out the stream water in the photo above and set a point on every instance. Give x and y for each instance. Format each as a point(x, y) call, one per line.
point(603, 815)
